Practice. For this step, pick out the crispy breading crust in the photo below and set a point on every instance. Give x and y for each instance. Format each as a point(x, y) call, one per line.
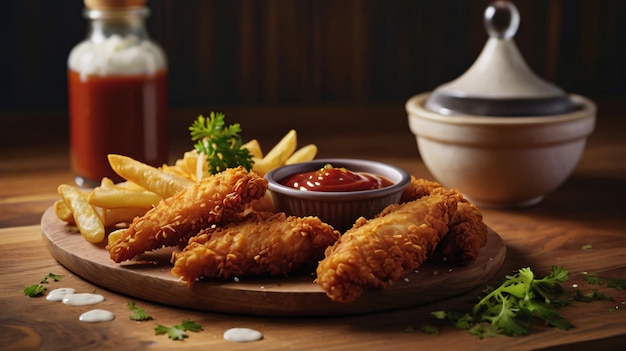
point(261, 244)
point(376, 252)
point(468, 232)
point(216, 199)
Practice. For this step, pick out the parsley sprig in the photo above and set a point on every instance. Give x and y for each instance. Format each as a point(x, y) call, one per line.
point(177, 332)
point(137, 313)
point(510, 308)
point(595, 279)
point(221, 144)
point(37, 290)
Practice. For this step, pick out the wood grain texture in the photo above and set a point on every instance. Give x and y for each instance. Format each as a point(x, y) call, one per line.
point(588, 209)
point(148, 277)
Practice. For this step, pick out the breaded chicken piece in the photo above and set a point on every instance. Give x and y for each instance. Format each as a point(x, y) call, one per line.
point(467, 235)
point(376, 252)
point(217, 199)
point(417, 188)
point(468, 232)
point(262, 244)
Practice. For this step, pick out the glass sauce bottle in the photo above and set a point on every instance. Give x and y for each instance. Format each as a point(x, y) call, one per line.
point(117, 81)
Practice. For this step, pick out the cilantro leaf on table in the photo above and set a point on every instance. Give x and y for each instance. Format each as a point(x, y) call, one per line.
point(36, 290)
point(595, 279)
point(55, 277)
point(510, 308)
point(177, 332)
point(592, 296)
point(137, 313)
point(221, 144)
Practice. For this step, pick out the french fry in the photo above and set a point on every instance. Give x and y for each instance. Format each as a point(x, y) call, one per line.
point(130, 186)
point(150, 178)
point(106, 182)
point(254, 147)
point(114, 236)
point(113, 216)
point(87, 220)
point(304, 154)
point(117, 197)
point(63, 211)
point(277, 155)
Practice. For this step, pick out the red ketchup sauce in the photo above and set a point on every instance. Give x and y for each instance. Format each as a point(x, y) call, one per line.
point(125, 115)
point(331, 179)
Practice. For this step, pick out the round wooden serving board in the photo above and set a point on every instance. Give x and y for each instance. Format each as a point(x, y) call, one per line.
point(148, 277)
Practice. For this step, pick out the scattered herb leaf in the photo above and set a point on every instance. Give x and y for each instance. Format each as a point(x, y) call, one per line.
point(137, 313)
point(587, 247)
point(592, 296)
point(34, 290)
point(510, 308)
point(55, 277)
point(429, 329)
point(595, 279)
point(37, 290)
point(177, 332)
point(221, 144)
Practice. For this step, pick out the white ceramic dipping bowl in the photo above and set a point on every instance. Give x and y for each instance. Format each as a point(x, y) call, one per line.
point(501, 162)
point(339, 209)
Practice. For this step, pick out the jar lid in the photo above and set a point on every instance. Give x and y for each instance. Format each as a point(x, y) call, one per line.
point(113, 4)
point(499, 83)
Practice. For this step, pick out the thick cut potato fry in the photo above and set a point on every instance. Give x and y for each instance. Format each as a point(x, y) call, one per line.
point(87, 220)
point(254, 147)
point(116, 197)
point(150, 178)
point(114, 216)
point(114, 236)
point(106, 182)
point(277, 155)
point(63, 211)
point(304, 154)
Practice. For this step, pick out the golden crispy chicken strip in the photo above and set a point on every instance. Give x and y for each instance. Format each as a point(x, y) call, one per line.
point(376, 252)
point(468, 232)
point(217, 199)
point(262, 244)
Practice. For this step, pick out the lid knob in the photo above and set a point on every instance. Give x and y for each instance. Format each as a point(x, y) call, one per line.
point(499, 83)
point(501, 20)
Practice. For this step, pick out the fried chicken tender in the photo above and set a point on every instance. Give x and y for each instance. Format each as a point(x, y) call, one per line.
point(468, 232)
point(217, 199)
point(374, 253)
point(262, 244)
point(419, 187)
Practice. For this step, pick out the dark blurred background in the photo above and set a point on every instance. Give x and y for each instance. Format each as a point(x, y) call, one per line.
point(312, 52)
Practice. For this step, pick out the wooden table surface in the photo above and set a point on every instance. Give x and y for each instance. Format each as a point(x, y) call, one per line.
point(589, 209)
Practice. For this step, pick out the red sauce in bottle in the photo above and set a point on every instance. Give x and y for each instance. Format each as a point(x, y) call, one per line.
point(331, 179)
point(123, 114)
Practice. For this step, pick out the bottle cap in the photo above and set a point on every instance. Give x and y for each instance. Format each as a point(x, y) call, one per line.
point(113, 4)
point(499, 83)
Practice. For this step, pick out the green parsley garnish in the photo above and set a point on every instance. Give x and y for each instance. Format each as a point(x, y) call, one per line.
point(429, 329)
point(592, 296)
point(594, 279)
point(221, 144)
point(177, 332)
point(510, 308)
point(137, 313)
point(34, 290)
point(37, 290)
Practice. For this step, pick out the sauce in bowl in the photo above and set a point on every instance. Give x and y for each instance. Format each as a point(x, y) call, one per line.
point(331, 179)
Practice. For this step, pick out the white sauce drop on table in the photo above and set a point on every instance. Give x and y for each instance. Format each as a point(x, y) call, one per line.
point(59, 294)
point(83, 299)
point(242, 335)
point(95, 316)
